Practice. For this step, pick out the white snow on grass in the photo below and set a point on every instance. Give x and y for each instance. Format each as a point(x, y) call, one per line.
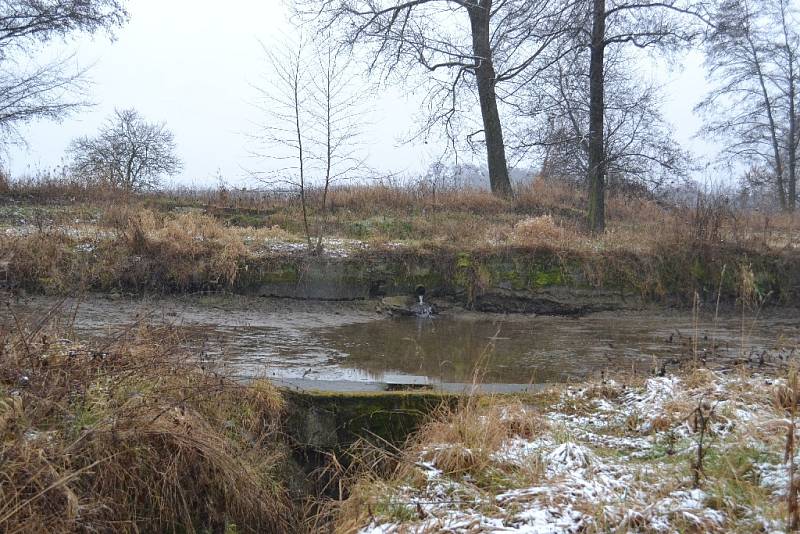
point(614, 458)
point(332, 247)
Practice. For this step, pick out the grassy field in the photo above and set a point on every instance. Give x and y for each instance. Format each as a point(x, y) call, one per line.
point(542, 213)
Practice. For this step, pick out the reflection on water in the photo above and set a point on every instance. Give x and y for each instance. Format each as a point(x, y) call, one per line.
point(548, 349)
point(338, 341)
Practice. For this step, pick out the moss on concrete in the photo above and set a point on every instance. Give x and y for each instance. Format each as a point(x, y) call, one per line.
point(321, 420)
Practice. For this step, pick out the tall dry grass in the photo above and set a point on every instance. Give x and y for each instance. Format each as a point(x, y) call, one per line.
point(461, 440)
point(134, 249)
point(129, 436)
point(52, 188)
point(386, 211)
point(188, 240)
point(188, 249)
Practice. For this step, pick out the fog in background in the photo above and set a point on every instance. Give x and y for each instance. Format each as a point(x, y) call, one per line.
point(193, 65)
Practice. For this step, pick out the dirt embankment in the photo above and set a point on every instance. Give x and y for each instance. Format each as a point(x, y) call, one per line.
point(514, 280)
point(527, 256)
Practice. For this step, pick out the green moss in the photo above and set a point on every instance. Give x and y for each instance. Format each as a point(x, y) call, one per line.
point(464, 276)
point(286, 274)
point(767, 284)
point(336, 420)
point(698, 270)
point(513, 277)
point(550, 277)
point(522, 272)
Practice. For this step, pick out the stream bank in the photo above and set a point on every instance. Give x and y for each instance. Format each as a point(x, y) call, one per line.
point(501, 279)
point(528, 281)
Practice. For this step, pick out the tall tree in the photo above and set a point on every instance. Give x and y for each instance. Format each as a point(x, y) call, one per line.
point(644, 24)
point(50, 89)
point(597, 160)
point(466, 47)
point(639, 147)
point(753, 57)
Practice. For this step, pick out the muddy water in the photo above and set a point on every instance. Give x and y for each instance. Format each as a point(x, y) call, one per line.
point(352, 342)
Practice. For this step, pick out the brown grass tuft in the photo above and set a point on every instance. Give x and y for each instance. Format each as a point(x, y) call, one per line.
point(130, 437)
point(537, 230)
point(460, 440)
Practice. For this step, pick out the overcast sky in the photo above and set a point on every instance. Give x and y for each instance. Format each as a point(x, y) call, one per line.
point(193, 64)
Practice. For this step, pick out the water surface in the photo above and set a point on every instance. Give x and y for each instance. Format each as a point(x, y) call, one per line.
point(287, 339)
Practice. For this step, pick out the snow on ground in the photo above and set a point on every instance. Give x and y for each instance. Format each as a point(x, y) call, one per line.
point(331, 246)
point(612, 458)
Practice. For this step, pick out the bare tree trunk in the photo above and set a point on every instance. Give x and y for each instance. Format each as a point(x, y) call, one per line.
point(129, 171)
point(791, 186)
point(792, 145)
point(300, 153)
point(597, 166)
point(773, 129)
point(485, 74)
point(328, 93)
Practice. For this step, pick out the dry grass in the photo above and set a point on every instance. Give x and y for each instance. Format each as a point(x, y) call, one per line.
point(192, 246)
point(48, 188)
point(464, 440)
point(201, 240)
point(130, 436)
point(464, 217)
point(43, 257)
point(537, 229)
point(460, 441)
point(135, 248)
point(623, 462)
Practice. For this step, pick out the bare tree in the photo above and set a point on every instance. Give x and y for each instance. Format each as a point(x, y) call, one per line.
point(337, 123)
point(753, 56)
point(52, 89)
point(638, 145)
point(129, 153)
point(492, 48)
point(285, 101)
point(663, 25)
point(316, 120)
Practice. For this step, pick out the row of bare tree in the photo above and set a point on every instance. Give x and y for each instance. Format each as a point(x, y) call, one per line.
point(564, 75)
point(554, 82)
